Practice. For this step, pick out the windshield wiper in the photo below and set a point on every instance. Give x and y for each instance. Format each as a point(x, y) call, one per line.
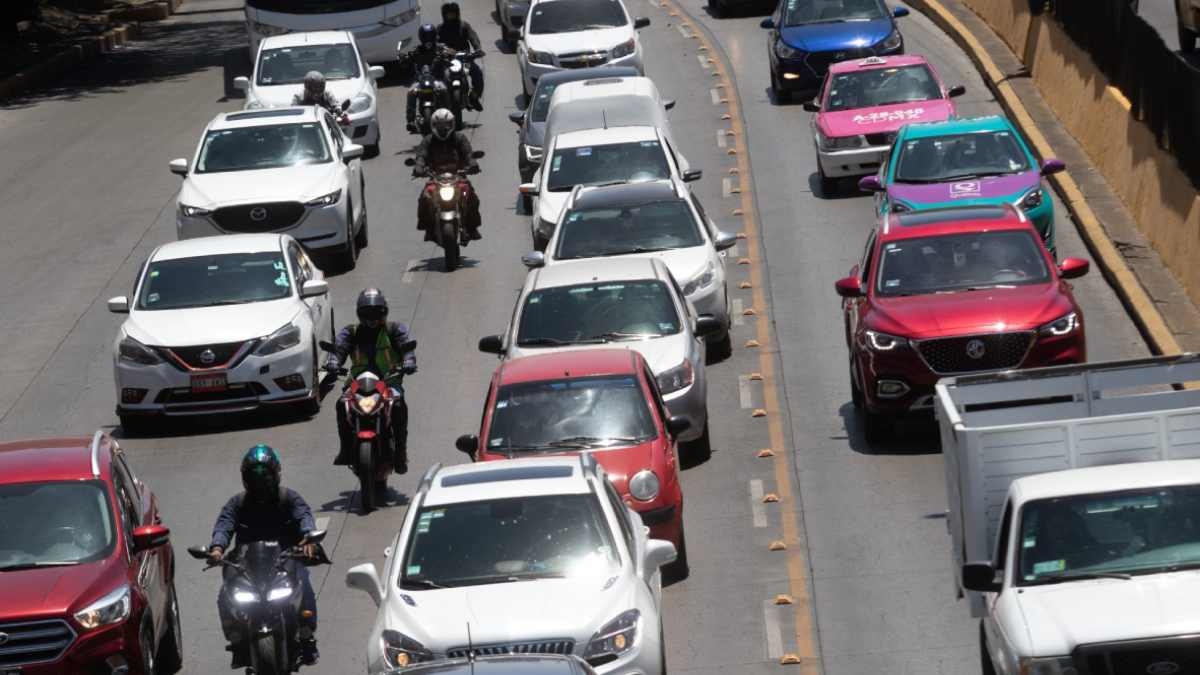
point(617, 335)
point(33, 565)
point(420, 583)
point(635, 249)
point(1060, 578)
point(1179, 567)
point(219, 303)
point(589, 441)
point(544, 340)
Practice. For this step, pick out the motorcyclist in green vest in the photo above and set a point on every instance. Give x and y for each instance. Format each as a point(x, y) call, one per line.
point(374, 344)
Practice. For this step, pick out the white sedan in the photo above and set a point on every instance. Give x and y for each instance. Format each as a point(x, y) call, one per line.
point(522, 556)
point(221, 324)
point(283, 61)
point(277, 170)
point(562, 34)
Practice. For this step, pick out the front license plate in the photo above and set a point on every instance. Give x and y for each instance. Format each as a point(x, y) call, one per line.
point(209, 382)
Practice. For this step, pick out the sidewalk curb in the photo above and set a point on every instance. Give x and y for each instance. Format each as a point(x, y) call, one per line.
point(1126, 284)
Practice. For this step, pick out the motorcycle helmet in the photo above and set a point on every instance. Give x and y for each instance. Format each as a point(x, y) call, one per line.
point(372, 306)
point(314, 83)
point(261, 470)
point(427, 35)
point(450, 12)
point(441, 123)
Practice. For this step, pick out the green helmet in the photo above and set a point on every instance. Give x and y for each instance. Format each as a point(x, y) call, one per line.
point(261, 470)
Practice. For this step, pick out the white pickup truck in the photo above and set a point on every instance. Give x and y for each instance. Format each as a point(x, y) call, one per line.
point(1074, 513)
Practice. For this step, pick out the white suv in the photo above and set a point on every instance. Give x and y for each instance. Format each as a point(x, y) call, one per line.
point(519, 556)
point(577, 34)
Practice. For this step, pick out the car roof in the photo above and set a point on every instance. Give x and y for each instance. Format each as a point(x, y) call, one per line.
point(602, 112)
point(601, 136)
point(626, 194)
point(605, 86)
point(576, 74)
point(240, 119)
point(512, 664)
point(874, 62)
point(51, 459)
point(219, 245)
point(952, 220)
point(599, 270)
point(507, 479)
point(312, 37)
point(956, 126)
point(596, 362)
point(1111, 478)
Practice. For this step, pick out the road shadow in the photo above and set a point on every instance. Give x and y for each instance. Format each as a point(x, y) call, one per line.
point(438, 263)
point(914, 436)
point(205, 425)
point(348, 501)
point(738, 11)
point(844, 188)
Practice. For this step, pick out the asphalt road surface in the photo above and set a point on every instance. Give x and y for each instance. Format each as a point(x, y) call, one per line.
point(83, 175)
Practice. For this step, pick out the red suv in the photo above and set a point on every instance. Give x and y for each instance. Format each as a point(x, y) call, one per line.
point(602, 401)
point(951, 291)
point(86, 572)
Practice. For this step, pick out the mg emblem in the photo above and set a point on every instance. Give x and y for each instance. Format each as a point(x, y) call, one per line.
point(207, 357)
point(976, 350)
point(4, 638)
point(258, 214)
point(840, 56)
point(1156, 668)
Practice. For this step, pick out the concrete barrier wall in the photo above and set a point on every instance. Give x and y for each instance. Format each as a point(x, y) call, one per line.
point(1008, 18)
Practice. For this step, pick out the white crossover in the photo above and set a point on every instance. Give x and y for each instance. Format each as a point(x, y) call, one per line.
point(519, 556)
point(562, 34)
point(284, 60)
point(276, 170)
point(221, 324)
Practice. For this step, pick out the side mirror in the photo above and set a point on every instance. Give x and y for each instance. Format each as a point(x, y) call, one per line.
point(326, 346)
point(530, 189)
point(365, 578)
point(812, 106)
point(724, 241)
point(315, 536)
point(899, 12)
point(1073, 268)
point(478, 154)
point(870, 184)
point(660, 552)
point(980, 576)
point(314, 288)
point(767, 23)
point(467, 443)
point(491, 344)
point(640, 23)
point(534, 259)
point(352, 151)
point(517, 117)
point(241, 83)
point(692, 175)
point(849, 287)
point(376, 72)
point(147, 537)
point(677, 424)
point(346, 105)
point(1053, 166)
point(198, 552)
point(708, 325)
point(179, 166)
point(409, 161)
point(956, 90)
point(669, 104)
point(118, 305)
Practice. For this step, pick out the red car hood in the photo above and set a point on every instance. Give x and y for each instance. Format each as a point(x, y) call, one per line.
point(55, 591)
point(987, 311)
point(883, 119)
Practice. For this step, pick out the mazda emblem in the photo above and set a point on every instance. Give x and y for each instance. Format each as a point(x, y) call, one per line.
point(258, 214)
point(976, 349)
point(1157, 668)
point(207, 357)
point(4, 638)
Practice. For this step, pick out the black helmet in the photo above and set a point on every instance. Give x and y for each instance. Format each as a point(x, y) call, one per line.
point(260, 473)
point(372, 306)
point(427, 35)
point(449, 8)
point(314, 82)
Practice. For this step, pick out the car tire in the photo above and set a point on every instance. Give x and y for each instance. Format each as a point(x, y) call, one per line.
point(1187, 39)
point(721, 348)
point(780, 94)
point(133, 426)
point(312, 406)
point(828, 185)
point(877, 428)
point(718, 8)
point(146, 640)
point(678, 570)
point(525, 89)
point(540, 244)
point(363, 237)
point(856, 395)
point(527, 204)
point(348, 256)
point(985, 659)
point(699, 450)
point(170, 650)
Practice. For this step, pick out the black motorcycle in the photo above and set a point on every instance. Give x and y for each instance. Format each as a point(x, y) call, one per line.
point(448, 208)
point(263, 594)
point(431, 94)
point(458, 82)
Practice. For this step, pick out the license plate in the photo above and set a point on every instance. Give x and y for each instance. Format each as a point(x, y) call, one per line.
point(209, 383)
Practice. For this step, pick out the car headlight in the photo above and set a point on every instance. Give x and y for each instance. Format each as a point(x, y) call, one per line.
point(267, 30)
point(541, 58)
point(135, 352)
point(1053, 665)
point(882, 342)
point(193, 211)
point(644, 485)
point(361, 103)
point(624, 49)
point(446, 193)
point(533, 153)
point(703, 280)
point(279, 593)
point(325, 200)
point(402, 18)
point(284, 338)
point(892, 41)
point(783, 51)
point(367, 404)
point(679, 377)
point(1061, 326)
point(616, 637)
point(245, 597)
point(1032, 199)
point(399, 650)
point(112, 608)
point(545, 227)
point(841, 142)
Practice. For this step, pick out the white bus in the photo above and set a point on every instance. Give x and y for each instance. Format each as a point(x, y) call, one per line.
point(384, 29)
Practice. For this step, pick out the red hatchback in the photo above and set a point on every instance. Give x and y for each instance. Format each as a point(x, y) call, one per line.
point(952, 291)
point(603, 401)
point(86, 573)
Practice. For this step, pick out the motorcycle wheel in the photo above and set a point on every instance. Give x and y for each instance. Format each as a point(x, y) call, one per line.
point(266, 656)
point(450, 245)
point(366, 476)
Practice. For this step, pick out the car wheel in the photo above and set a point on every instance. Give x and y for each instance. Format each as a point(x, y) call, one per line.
point(678, 570)
point(877, 428)
point(149, 665)
point(781, 95)
point(985, 659)
point(1187, 39)
point(525, 88)
point(699, 450)
point(856, 395)
point(311, 406)
point(362, 238)
point(721, 348)
point(135, 425)
point(828, 185)
point(170, 650)
point(717, 8)
point(348, 259)
point(540, 243)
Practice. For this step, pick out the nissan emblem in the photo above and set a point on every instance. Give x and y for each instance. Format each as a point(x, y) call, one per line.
point(4, 638)
point(258, 214)
point(1162, 668)
point(207, 357)
point(976, 349)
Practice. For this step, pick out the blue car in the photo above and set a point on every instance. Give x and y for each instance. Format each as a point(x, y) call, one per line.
point(808, 35)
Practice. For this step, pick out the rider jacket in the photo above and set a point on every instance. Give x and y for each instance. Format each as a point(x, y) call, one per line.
point(430, 56)
point(285, 520)
point(450, 155)
point(325, 100)
point(376, 350)
point(458, 35)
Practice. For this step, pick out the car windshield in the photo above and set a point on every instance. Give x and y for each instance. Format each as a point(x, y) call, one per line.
point(656, 226)
point(565, 16)
point(64, 523)
point(553, 415)
point(800, 12)
point(323, 6)
point(288, 65)
point(940, 159)
point(614, 162)
point(509, 540)
point(262, 147)
point(881, 86)
point(597, 312)
point(207, 281)
point(1134, 532)
point(960, 262)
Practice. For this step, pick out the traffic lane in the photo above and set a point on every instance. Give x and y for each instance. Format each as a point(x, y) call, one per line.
point(876, 542)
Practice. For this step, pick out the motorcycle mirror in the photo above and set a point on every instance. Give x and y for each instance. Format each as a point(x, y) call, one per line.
point(409, 161)
point(668, 104)
point(315, 537)
point(517, 117)
point(491, 344)
point(478, 154)
point(346, 104)
point(467, 443)
point(326, 346)
point(408, 346)
point(198, 552)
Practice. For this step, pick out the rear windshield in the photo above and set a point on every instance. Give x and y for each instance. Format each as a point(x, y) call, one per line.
point(881, 86)
point(597, 313)
point(322, 6)
point(638, 228)
point(566, 16)
point(288, 65)
point(615, 162)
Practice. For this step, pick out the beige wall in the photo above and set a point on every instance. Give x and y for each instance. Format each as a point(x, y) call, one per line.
point(1009, 18)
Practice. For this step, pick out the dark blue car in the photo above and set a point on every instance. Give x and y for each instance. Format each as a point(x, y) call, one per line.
point(808, 35)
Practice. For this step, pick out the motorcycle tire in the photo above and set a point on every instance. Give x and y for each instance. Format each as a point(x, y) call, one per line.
point(450, 245)
point(366, 476)
point(265, 656)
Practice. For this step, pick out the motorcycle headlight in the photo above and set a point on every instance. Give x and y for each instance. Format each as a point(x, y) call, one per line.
point(1032, 199)
point(540, 58)
point(1053, 665)
point(267, 30)
point(401, 18)
point(279, 593)
point(112, 608)
point(399, 650)
point(446, 193)
point(644, 485)
point(193, 211)
point(361, 103)
point(891, 42)
point(624, 49)
point(135, 352)
point(783, 51)
point(1061, 326)
point(367, 404)
point(679, 377)
point(244, 597)
point(882, 342)
point(703, 280)
point(616, 637)
point(325, 200)
point(284, 338)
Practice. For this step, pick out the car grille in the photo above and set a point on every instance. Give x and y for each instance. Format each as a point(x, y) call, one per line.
point(582, 59)
point(1138, 657)
point(973, 353)
point(819, 62)
point(536, 647)
point(195, 357)
point(259, 217)
point(881, 139)
point(181, 398)
point(34, 642)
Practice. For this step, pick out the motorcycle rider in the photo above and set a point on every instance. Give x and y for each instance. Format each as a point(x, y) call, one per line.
point(374, 344)
point(446, 150)
point(267, 511)
point(315, 94)
point(427, 53)
point(460, 36)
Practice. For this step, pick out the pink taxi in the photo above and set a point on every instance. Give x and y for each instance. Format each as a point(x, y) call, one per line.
point(864, 102)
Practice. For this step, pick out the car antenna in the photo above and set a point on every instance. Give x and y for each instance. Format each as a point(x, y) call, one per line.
point(470, 649)
point(604, 117)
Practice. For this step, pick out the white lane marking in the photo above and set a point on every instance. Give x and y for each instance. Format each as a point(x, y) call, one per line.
point(736, 251)
point(771, 626)
point(726, 186)
point(409, 268)
point(716, 96)
point(703, 61)
point(323, 523)
point(683, 31)
point(745, 396)
point(756, 505)
point(738, 319)
point(721, 140)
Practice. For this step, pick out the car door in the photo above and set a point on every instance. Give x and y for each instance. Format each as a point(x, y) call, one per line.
point(353, 171)
point(710, 228)
point(634, 534)
point(146, 574)
point(999, 644)
point(855, 309)
point(316, 307)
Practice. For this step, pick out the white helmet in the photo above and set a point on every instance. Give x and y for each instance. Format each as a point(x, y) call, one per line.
point(441, 123)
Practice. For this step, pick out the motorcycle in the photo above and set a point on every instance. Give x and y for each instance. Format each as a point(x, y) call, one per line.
point(368, 403)
point(448, 204)
point(431, 94)
point(458, 82)
point(264, 595)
